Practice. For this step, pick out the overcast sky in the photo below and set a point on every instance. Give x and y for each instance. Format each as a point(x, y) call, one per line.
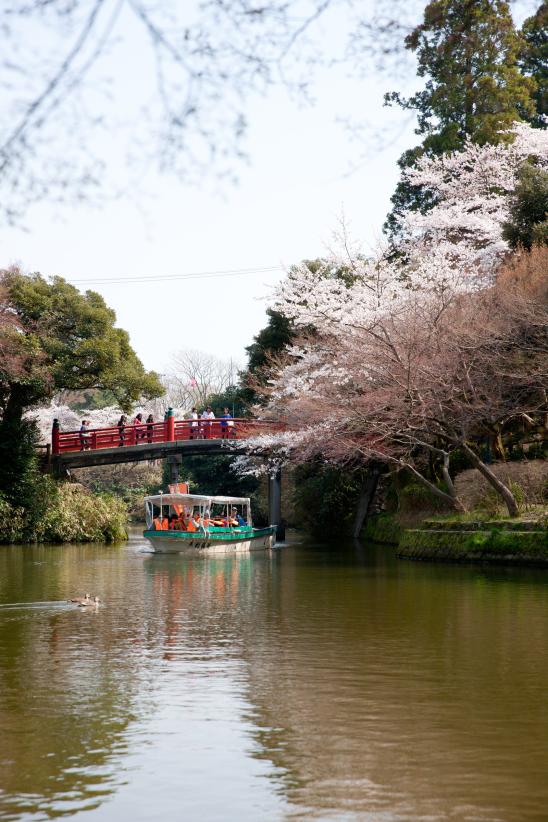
point(304, 172)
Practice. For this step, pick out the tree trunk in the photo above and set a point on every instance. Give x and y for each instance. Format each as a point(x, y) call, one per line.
point(493, 480)
point(16, 452)
point(367, 495)
point(447, 477)
point(15, 406)
point(497, 445)
point(453, 501)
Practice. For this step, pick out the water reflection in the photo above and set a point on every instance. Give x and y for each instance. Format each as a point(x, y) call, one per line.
point(302, 683)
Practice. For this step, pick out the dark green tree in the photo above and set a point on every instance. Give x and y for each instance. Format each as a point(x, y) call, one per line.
point(528, 222)
point(534, 60)
point(54, 338)
point(468, 52)
point(271, 340)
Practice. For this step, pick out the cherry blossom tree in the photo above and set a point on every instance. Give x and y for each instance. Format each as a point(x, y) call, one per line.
point(471, 189)
point(406, 366)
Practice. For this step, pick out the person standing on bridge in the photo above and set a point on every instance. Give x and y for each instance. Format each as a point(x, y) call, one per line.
point(150, 428)
point(139, 428)
point(194, 425)
point(207, 415)
point(84, 435)
point(227, 424)
point(121, 429)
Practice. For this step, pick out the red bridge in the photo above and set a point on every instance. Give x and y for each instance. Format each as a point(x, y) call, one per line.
point(150, 441)
point(171, 439)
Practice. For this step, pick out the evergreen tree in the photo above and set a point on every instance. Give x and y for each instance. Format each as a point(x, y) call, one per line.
point(271, 340)
point(54, 338)
point(528, 220)
point(468, 51)
point(534, 60)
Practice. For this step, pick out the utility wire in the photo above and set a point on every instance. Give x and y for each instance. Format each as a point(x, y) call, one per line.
point(203, 275)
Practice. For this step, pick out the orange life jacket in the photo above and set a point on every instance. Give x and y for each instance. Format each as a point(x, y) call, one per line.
point(191, 526)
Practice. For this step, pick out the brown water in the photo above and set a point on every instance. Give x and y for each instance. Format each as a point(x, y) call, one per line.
point(306, 683)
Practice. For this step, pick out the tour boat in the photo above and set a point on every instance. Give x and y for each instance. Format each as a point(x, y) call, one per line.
point(216, 529)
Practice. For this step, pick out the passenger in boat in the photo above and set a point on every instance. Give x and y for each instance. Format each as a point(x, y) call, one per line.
point(174, 522)
point(194, 523)
point(233, 518)
point(238, 517)
point(160, 523)
point(150, 427)
point(121, 429)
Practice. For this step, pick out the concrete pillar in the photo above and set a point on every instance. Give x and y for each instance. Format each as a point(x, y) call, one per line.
point(174, 464)
point(275, 504)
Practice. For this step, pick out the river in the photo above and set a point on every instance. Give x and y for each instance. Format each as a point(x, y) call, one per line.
point(322, 683)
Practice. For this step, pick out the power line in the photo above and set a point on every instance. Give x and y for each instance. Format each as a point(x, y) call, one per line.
point(205, 275)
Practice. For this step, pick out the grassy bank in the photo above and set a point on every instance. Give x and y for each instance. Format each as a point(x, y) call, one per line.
point(384, 528)
point(64, 512)
point(521, 541)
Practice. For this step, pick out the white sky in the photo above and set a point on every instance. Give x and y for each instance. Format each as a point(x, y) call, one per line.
point(285, 208)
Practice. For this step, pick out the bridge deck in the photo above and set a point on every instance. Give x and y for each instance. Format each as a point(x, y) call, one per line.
point(140, 453)
point(144, 441)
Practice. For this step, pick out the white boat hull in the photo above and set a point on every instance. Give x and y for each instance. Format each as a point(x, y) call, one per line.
point(165, 543)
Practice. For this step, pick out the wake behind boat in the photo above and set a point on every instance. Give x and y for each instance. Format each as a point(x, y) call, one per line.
point(199, 524)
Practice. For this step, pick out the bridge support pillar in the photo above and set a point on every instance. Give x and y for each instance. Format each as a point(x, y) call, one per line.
point(174, 463)
point(275, 504)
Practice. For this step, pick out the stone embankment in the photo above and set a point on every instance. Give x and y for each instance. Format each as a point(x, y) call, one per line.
point(521, 542)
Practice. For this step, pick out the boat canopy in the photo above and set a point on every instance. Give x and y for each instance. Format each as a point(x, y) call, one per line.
point(195, 499)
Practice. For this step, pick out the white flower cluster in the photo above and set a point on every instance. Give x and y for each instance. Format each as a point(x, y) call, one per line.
point(471, 188)
point(70, 420)
point(349, 311)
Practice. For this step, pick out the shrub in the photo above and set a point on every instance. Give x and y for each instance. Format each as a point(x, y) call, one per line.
point(528, 223)
point(528, 478)
point(72, 514)
point(11, 522)
point(417, 497)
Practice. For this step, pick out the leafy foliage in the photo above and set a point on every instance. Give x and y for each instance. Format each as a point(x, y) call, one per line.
point(468, 52)
point(73, 340)
point(534, 60)
point(326, 497)
point(52, 338)
point(71, 514)
point(528, 213)
point(270, 341)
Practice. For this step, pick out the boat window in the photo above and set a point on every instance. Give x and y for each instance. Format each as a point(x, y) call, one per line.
point(148, 514)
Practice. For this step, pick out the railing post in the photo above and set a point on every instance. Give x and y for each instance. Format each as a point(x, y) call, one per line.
point(275, 503)
point(55, 431)
point(169, 426)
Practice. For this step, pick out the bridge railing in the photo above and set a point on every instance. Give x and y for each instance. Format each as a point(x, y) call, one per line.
point(169, 430)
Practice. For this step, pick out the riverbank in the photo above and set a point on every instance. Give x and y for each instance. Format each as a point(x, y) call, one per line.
point(523, 541)
point(63, 512)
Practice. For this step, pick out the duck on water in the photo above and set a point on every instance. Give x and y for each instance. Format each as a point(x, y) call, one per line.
point(86, 600)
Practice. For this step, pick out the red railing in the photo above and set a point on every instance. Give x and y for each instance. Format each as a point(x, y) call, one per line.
point(170, 430)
